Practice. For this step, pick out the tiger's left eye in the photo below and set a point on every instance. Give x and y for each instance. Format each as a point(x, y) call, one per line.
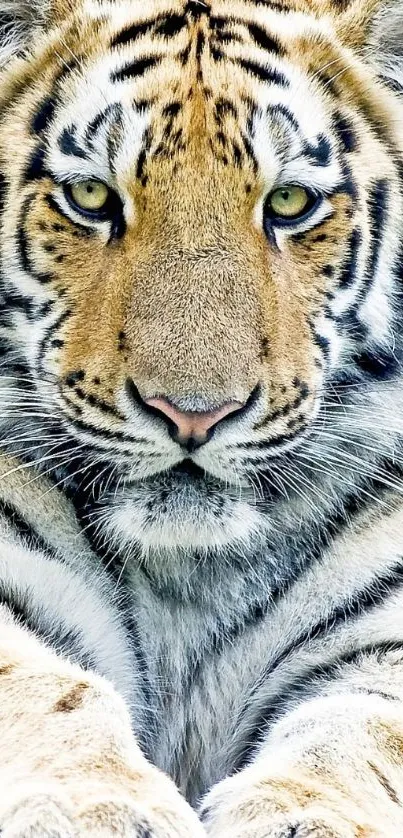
point(288, 204)
point(89, 195)
point(289, 201)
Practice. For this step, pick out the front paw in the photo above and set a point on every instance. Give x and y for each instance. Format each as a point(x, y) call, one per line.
point(250, 805)
point(139, 807)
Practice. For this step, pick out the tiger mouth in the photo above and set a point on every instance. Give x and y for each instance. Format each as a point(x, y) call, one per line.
point(188, 469)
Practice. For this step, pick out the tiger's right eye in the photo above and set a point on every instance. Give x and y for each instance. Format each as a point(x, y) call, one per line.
point(89, 195)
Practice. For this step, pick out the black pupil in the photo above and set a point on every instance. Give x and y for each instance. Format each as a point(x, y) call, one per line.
point(285, 194)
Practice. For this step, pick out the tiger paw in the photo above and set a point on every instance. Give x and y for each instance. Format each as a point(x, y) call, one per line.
point(252, 806)
point(98, 810)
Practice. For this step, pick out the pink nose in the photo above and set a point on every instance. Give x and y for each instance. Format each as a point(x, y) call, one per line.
point(192, 426)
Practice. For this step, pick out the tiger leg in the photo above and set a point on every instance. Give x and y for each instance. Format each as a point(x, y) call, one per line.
point(69, 764)
point(331, 767)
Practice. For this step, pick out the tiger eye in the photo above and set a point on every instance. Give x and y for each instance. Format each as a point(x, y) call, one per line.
point(289, 201)
point(90, 195)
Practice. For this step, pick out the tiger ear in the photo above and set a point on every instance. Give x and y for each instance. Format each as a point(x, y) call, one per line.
point(375, 29)
point(22, 21)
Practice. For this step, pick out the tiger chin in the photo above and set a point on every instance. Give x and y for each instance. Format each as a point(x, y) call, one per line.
point(201, 433)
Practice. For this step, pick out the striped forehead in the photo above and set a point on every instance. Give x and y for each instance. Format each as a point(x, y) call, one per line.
point(151, 64)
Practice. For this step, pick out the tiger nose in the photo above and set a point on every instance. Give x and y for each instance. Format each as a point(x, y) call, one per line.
point(192, 429)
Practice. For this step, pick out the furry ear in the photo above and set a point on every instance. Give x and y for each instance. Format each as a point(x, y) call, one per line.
point(20, 23)
point(384, 46)
point(374, 28)
point(23, 21)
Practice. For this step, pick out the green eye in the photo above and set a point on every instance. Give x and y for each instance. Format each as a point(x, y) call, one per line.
point(289, 202)
point(89, 195)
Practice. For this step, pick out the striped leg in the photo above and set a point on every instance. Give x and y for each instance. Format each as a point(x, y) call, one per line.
point(332, 767)
point(69, 765)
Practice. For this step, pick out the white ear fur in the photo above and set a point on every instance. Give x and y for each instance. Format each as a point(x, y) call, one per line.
point(20, 23)
point(385, 44)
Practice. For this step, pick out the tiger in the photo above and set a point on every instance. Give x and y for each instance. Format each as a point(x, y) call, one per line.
point(201, 433)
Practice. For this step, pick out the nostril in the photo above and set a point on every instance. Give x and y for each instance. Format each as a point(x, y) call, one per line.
point(190, 428)
point(195, 426)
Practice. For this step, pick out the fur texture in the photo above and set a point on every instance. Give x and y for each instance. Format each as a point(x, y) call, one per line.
point(230, 613)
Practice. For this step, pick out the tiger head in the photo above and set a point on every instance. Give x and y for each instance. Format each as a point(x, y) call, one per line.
point(201, 224)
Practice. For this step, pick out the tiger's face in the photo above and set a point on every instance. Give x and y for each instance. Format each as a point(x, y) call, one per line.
point(200, 239)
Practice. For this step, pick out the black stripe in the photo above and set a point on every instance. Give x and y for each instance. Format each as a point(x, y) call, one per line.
point(68, 144)
point(261, 72)
point(12, 299)
point(283, 111)
point(352, 609)
point(322, 342)
point(305, 683)
point(131, 33)
point(50, 331)
point(348, 185)
point(349, 269)
point(53, 205)
point(378, 213)
point(64, 641)
point(385, 783)
point(36, 169)
point(345, 131)
point(108, 434)
point(44, 115)
point(264, 40)
point(23, 528)
point(114, 110)
point(135, 68)
point(319, 154)
point(379, 363)
point(23, 246)
point(392, 84)
point(171, 25)
point(274, 4)
point(250, 152)
point(164, 25)
point(3, 191)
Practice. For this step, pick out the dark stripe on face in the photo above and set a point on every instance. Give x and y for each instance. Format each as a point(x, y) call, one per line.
point(349, 269)
point(107, 434)
point(264, 40)
point(250, 152)
point(327, 82)
point(379, 364)
point(392, 84)
point(36, 166)
point(378, 213)
point(197, 8)
point(53, 205)
point(319, 154)
point(23, 246)
point(224, 107)
point(348, 185)
point(281, 110)
point(3, 191)
point(345, 132)
point(262, 73)
point(322, 342)
point(365, 601)
point(111, 111)
point(44, 115)
point(135, 69)
point(67, 143)
point(48, 336)
point(14, 300)
point(166, 25)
